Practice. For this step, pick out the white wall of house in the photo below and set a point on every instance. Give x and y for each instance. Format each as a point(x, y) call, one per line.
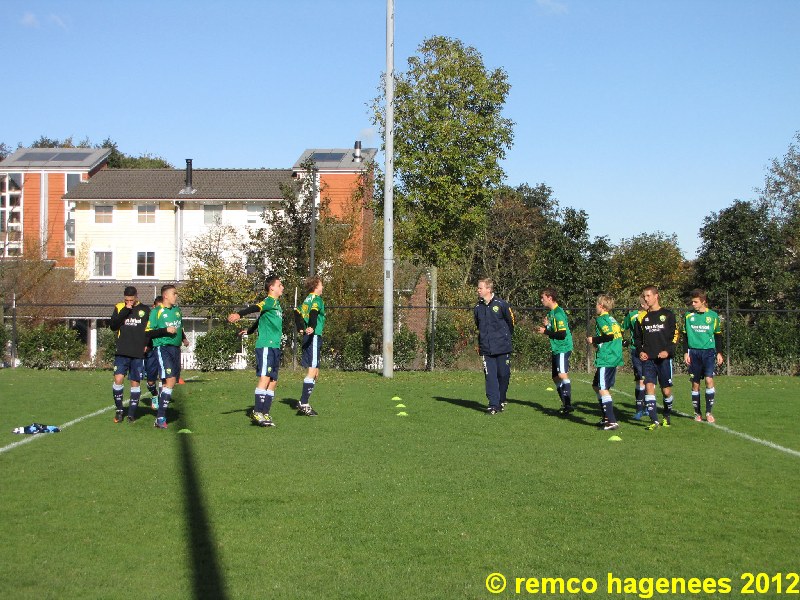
point(126, 238)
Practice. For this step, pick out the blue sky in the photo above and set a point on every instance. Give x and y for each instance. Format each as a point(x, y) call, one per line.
point(647, 114)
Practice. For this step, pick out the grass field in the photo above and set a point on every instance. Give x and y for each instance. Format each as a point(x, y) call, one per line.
point(362, 503)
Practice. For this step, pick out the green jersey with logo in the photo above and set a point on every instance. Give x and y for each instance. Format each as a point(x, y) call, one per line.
point(557, 321)
point(270, 323)
point(314, 302)
point(701, 327)
point(609, 354)
point(162, 317)
point(631, 321)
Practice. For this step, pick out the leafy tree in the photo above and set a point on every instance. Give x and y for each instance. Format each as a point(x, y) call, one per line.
point(216, 276)
point(742, 253)
point(782, 193)
point(449, 139)
point(647, 259)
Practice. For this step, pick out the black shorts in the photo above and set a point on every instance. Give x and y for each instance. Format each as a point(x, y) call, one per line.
point(604, 378)
point(132, 367)
point(268, 361)
point(312, 345)
point(658, 370)
point(169, 361)
point(560, 363)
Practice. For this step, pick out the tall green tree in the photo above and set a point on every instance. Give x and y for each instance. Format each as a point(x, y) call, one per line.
point(742, 253)
point(647, 259)
point(449, 139)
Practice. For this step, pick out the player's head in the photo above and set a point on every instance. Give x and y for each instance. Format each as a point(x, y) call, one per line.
point(485, 288)
point(642, 302)
point(699, 298)
point(650, 296)
point(157, 301)
point(169, 295)
point(129, 293)
point(549, 297)
point(605, 302)
point(273, 285)
point(312, 283)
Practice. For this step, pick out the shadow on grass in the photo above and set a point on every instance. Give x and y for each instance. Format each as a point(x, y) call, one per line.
point(207, 579)
point(472, 404)
point(577, 416)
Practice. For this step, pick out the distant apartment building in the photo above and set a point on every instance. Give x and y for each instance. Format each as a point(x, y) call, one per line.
point(35, 217)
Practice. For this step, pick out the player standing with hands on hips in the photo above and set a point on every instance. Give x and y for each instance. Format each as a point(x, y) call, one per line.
point(656, 339)
point(495, 322)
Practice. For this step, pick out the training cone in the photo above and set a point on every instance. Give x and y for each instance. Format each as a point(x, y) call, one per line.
point(402, 414)
point(184, 431)
point(400, 406)
point(549, 389)
point(615, 438)
point(396, 398)
point(181, 381)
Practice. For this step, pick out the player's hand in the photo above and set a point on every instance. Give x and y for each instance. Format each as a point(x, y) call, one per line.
point(186, 342)
point(589, 340)
point(308, 330)
point(171, 329)
point(540, 329)
point(720, 360)
point(233, 317)
point(687, 359)
point(643, 356)
point(663, 354)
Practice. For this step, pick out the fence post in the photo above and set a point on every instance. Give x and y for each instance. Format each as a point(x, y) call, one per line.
point(588, 326)
point(14, 329)
point(728, 330)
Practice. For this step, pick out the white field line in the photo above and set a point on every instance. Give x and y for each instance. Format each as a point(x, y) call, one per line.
point(30, 438)
point(744, 436)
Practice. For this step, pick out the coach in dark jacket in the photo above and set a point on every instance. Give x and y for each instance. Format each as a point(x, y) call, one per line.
point(495, 323)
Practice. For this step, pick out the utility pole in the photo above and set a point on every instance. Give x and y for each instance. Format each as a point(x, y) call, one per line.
point(388, 194)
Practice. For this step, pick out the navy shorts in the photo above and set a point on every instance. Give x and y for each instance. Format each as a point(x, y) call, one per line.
point(560, 363)
point(132, 367)
point(312, 345)
point(604, 378)
point(268, 360)
point(636, 363)
point(169, 361)
point(702, 363)
point(151, 366)
point(658, 370)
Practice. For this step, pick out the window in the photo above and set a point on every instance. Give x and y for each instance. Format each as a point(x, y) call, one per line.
point(212, 213)
point(103, 214)
point(69, 227)
point(255, 213)
point(145, 264)
point(147, 213)
point(102, 264)
point(73, 179)
point(11, 214)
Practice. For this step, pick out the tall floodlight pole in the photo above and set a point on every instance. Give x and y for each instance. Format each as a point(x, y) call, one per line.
point(388, 208)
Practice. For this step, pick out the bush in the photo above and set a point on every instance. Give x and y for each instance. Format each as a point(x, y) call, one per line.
point(356, 351)
point(44, 347)
point(215, 350)
point(405, 349)
point(5, 335)
point(106, 347)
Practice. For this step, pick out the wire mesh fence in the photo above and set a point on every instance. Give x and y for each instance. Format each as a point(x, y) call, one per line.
point(756, 341)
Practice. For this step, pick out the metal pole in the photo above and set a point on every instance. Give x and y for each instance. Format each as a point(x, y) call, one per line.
point(728, 332)
point(388, 194)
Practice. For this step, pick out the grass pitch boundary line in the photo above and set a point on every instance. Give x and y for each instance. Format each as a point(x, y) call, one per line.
point(744, 436)
point(29, 438)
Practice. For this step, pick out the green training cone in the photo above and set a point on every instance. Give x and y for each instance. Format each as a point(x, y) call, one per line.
point(184, 431)
point(615, 438)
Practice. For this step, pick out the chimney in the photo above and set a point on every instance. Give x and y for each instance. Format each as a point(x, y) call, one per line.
point(188, 189)
point(357, 152)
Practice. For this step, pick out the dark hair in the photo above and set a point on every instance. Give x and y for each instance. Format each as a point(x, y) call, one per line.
point(167, 286)
point(129, 291)
point(311, 283)
point(158, 300)
point(650, 288)
point(550, 293)
point(701, 294)
point(271, 278)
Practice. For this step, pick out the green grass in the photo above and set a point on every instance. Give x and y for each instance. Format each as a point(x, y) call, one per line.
point(361, 503)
